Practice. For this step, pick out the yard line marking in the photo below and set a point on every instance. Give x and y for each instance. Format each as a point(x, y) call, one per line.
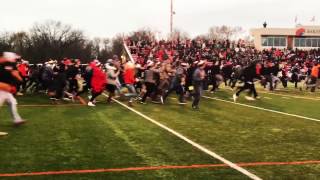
point(263, 109)
point(194, 144)
point(291, 96)
point(195, 166)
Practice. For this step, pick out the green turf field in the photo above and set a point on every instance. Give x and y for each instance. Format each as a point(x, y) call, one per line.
point(124, 145)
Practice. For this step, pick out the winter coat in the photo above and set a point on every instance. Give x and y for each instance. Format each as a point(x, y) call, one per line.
point(98, 80)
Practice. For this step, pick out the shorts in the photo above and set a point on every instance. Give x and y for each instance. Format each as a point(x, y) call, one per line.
point(111, 88)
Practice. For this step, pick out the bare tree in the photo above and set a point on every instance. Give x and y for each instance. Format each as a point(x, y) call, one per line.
point(224, 32)
point(5, 44)
point(178, 34)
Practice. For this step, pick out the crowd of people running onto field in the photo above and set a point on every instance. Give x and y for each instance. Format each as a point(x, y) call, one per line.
point(156, 69)
point(229, 63)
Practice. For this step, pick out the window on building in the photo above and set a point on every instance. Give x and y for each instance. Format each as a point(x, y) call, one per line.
point(302, 42)
point(315, 43)
point(297, 42)
point(273, 41)
point(307, 42)
point(270, 41)
point(276, 42)
point(283, 41)
point(264, 41)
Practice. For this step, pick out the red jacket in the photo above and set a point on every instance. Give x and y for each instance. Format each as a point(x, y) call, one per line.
point(128, 76)
point(23, 70)
point(98, 80)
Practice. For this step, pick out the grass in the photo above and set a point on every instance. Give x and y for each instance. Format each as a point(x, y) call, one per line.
point(59, 138)
point(110, 136)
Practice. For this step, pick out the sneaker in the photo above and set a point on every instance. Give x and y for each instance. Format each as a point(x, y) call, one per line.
point(19, 94)
point(182, 103)
point(249, 98)
point(258, 97)
point(66, 99)
point(19, 123)
point(235, 97)
point(195, 107)
point(141, 102)
point(156, 102)
point(91, 104)
point(3, 133)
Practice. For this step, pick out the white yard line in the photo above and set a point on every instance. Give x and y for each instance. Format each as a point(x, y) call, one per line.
point(263, 109)
point(194, 144)
point(284, 95)
point(291, 96)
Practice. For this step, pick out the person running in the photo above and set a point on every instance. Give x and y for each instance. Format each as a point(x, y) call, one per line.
point(197, 81)
point(9, 77)
point(59, 82)
point(129, 80)
point(150, 82)
point(112, 75)
point(314, 75)
point(178, 82)
point(23, 68)
point(165, 73)
point(98, 82)
point(249, 73)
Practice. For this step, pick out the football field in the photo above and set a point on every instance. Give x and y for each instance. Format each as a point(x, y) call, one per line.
point(275, 137)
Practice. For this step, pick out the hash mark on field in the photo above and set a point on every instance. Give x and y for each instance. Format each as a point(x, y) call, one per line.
point(290, 96)
point(196, 166)
point(194, 144)
point(263, 109)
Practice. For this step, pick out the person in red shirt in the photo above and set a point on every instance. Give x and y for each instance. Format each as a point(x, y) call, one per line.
point(129, 80)
point(23, 69)
point(314, 75)
point(98, 82)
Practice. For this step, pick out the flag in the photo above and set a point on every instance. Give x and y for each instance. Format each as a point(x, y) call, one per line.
point(313, 19)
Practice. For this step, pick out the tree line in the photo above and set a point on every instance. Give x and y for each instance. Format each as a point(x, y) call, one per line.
point(55, 40)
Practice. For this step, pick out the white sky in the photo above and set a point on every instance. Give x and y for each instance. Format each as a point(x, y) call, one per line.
point(105, 18)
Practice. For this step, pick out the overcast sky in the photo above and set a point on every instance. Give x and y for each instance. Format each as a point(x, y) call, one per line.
point(105, 18)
